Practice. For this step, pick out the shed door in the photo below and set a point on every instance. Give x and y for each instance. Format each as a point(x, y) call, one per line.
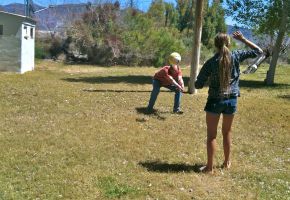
point(27, 48)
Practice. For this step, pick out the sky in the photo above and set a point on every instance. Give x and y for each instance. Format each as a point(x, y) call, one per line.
point(143, 4)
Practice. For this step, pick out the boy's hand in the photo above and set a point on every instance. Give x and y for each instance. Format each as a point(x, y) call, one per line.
point(180, 88)
point(181, 83)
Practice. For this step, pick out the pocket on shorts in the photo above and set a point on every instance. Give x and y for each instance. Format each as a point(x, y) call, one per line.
point(231, 107)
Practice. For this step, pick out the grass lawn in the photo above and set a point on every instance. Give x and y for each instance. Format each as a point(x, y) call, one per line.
point(78, 132)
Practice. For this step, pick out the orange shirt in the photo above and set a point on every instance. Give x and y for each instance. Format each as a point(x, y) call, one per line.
point(163, 75)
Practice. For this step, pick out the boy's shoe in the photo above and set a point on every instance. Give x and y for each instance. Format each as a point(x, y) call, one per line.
point(179, 112)
point(150, 111)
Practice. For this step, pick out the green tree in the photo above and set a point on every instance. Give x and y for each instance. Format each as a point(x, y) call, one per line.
point(171, 15)
point(266, 17)
point(146, 43)
point(96, 34)
point(157, 12)
point(163, 14)
point(109, 35)
point(185, 9)
point(213, 23)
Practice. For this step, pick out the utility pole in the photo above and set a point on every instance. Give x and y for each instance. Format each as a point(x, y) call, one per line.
point(26, 6)
point(196, 46)
point(132, 3)
point(28, 10)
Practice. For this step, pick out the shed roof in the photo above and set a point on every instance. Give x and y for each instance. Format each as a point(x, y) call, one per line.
point(24, 18)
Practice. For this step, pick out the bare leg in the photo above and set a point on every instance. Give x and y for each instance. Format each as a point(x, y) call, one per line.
point(226, 130)
point(212, 121)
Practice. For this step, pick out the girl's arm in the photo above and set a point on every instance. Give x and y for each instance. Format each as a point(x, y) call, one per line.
point(239, 36)
point(203, 75)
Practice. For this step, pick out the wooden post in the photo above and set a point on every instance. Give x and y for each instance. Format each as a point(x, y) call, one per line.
point(196, 46)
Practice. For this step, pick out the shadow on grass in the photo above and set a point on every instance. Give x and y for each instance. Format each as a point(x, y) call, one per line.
point(286, 96)
point(117, 91)
point(155, 113)
point(133, 79)
point(138, 79)
point(164, 167)
point(142, 79)
point(260, 84)
point(128, 91)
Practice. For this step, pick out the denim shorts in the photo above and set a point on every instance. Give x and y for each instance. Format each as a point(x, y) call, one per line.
point(226, 106)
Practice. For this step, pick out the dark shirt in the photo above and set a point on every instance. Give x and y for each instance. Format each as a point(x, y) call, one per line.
point(210, 71)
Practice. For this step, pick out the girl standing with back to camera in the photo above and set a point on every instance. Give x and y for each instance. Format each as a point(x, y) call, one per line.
point(223, 71)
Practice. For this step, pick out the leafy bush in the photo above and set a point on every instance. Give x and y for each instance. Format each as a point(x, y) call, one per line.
point(148, 45)
point(108, 37)
point(56, 47)
point(41, 48)
point(40, 52)
point(205, 54)
point(96, 34)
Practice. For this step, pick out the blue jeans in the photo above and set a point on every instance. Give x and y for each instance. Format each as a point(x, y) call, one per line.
point(156, 90)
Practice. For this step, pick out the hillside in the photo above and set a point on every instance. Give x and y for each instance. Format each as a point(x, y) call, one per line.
point(17, 8)
point(247, 32)
point(53, 18)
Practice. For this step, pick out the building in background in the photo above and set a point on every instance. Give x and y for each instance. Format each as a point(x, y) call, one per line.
point(17, 41)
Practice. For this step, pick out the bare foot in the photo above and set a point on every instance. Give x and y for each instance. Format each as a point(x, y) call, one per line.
point(226, 165)
point(206, 169)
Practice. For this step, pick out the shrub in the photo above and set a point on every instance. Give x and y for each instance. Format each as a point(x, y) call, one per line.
point(56, 47)
point(41, 48)
point(131, 39)
point(148, 45)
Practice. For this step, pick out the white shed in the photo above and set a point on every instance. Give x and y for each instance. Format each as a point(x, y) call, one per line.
point(17, 40)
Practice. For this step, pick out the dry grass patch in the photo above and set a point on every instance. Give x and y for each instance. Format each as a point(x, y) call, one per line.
point(78, 132)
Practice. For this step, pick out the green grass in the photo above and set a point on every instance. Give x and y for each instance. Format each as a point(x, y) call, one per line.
point(78, 132)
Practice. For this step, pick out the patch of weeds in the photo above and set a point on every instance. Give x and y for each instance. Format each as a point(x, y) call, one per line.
point(267, 186)
point(112, 189)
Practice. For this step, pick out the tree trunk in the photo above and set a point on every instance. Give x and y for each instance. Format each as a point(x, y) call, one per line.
point(282, 30)
point(166, 17)
point(196, 46)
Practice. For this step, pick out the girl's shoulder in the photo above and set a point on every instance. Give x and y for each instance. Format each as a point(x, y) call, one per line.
point(237, 53)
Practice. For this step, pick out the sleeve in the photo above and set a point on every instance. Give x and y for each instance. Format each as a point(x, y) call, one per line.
point(243, 54)
point(203, 75)
point(179, 72)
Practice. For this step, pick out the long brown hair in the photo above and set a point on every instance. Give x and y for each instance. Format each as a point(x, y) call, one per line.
point(222, 43)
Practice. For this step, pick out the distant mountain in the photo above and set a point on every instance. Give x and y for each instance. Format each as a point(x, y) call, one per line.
point(246, 32)
point(17, 8)
point(60, 16)
point(52, 18)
